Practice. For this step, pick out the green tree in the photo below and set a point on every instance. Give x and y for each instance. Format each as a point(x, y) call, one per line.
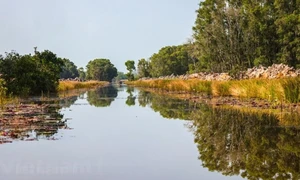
point(82, 73)
point(288, 30)
point(49, 66)
point(69, 69)
point(101, 69)
point(143, 68)
point(170, 60)
point(235, 34)
point(30, 74)
point(130, 68)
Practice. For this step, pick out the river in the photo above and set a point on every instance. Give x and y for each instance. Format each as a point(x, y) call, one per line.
point(131, 134)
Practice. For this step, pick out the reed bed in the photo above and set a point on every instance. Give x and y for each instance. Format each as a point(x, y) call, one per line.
point(275, 90)
point(70, 85)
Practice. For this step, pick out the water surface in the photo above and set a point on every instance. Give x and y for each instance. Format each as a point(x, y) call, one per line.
point(127, 133)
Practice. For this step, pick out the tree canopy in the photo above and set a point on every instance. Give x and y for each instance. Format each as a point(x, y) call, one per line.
point(233, 35)
point(143, 68)
point(101, 69)
point(30, 74)
point(170, 60)
point(130, 68)
point(69, 69)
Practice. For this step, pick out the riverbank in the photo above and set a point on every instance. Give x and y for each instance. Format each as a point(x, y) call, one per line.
point(272, 90)
point(70, 85)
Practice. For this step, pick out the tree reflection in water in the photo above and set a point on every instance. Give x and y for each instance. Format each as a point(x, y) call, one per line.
point(131, 98)
point(234, 142)
point(31, 122)
point(102, 97)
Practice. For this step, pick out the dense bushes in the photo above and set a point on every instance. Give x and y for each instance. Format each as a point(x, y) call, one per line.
point(30, 74)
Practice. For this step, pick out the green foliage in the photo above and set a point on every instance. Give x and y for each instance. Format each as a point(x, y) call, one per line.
point(30, 74)
point(246, 33)
point(291, 89)
point(254, 145)
point(69, 69)
point(143, 68)
point(102, 97)
point(170, 60)
point(130, 68)
point(101, 69)
point(82, 73)
point(287, 28)
point(130, 101)
point(3, 92)
point(121, 75)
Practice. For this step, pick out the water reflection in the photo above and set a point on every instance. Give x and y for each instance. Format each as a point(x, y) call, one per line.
point(253, 145)
point(35, 118)
point(102, 97)
point(167, 106)
point(131, 98)
point(30, 122)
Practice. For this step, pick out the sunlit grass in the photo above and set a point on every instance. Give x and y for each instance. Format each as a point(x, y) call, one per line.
point(291, 87)
point(176, 85)
point(274, 90)
point(70, 85)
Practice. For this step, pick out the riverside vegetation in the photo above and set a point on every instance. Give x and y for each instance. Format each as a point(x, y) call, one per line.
point(44, 73)
point(230, 37)
point(254, 145)
point(276, 84)
point(286, 89)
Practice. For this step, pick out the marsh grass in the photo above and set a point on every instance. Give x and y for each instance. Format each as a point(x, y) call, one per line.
point(291, 87)
point(273, 90)
point(70, 85)
point(176, 85)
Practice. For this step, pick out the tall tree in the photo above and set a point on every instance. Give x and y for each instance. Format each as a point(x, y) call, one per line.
point(82, 73)
point(30, 74)
point(101, 69)
point(130, 68)
point(50, 67)
point(170, 60)
point(69, 69)
point(143, 68)
point(236, 34)
point(288, 30)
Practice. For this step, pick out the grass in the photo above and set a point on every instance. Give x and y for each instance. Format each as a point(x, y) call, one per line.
point(70, 85)
point(291, 87)
point(175, 85)
point(273, 90)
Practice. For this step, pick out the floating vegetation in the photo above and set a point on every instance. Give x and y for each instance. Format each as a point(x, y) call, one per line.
point(31, 121)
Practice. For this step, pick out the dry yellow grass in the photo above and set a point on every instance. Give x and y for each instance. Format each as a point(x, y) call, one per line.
point(269, 89)
point(69, 85)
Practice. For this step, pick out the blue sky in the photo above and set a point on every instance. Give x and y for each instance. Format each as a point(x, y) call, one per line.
point(82, 30)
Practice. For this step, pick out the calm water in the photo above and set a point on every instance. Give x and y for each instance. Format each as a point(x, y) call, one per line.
point(125, 133)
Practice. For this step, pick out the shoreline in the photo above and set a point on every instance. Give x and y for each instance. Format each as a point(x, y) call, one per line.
point(73, 85)
point(285, 90)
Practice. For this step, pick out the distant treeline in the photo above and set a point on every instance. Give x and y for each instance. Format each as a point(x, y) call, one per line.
point(40, 73)
point(232, 35)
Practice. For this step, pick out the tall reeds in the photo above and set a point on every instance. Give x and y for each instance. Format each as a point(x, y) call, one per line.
point(291, 87)
point(269, 89)
point(70, 85)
